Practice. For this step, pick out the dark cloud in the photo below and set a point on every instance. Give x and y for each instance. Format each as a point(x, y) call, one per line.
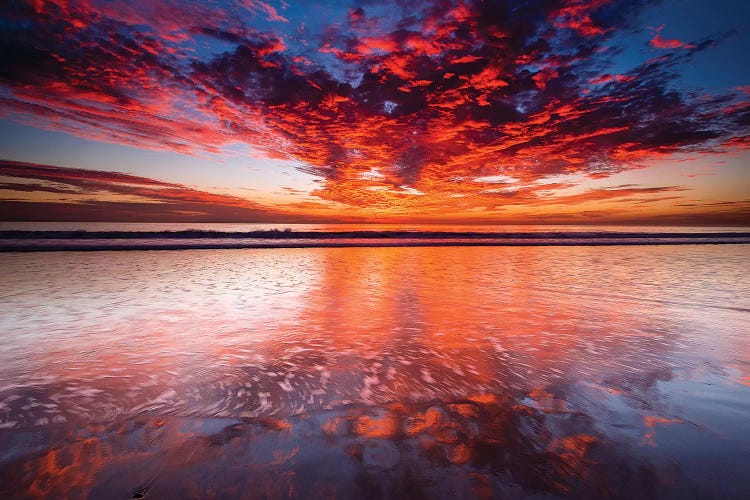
point(97, 195)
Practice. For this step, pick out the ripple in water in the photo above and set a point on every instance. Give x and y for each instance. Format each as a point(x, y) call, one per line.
point(409, 371)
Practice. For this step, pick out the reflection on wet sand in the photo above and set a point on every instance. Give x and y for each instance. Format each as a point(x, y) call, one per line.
point(479, 446)
point(419, 372)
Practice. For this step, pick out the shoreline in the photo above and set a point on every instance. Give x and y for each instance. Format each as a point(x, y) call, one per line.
point(23, 246)
point(55, 241)
point(276, 234)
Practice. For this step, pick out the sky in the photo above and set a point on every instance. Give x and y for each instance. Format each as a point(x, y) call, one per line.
point(497, 111)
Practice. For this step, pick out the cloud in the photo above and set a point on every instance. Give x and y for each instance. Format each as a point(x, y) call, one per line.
point(31, 192)
point(79, 194)
point(430, 94)
point(660, 42)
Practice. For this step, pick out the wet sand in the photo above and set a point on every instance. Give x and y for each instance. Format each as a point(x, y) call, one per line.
point(512, 372)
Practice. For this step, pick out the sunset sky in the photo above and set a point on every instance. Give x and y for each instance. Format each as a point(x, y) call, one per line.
point(537, 111)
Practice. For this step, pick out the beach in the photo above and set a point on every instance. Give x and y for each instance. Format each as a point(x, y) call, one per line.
point(617, 371)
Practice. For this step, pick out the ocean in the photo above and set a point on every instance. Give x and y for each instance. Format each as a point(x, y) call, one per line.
point(135, 236)
point(393, 371)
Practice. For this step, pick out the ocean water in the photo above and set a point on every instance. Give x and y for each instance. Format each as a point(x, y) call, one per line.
point(247, 227)
point(36, 237)
point(438, 372)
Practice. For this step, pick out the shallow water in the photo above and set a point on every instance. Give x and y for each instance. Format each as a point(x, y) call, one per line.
point(377, 372)
point(247, 227)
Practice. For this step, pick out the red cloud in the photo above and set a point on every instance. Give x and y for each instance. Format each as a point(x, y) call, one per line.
point(606, 78)
point(575, 14)
point(662, 43)
point(431, 101)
